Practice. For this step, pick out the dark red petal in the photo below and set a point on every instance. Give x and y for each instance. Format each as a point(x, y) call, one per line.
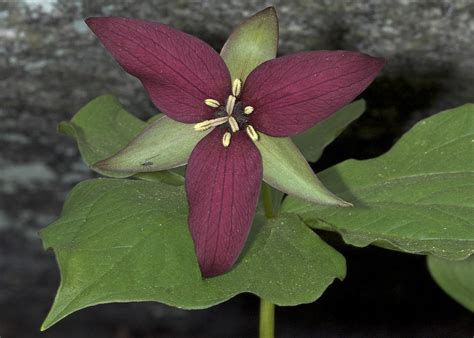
point(222, 186)
point(292, 93)
point(178, 70)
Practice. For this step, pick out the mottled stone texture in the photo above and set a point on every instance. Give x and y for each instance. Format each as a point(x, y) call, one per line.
point(51, 65)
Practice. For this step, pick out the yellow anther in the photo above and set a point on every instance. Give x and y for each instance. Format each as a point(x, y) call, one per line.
point(204, 125)
point(226, 139)
point(218, 121)
point(212, 103)
point(233, 124)
point(251, 133)
point(248, 110)
point(236, 87)
point(201, 126)
point(229, 108)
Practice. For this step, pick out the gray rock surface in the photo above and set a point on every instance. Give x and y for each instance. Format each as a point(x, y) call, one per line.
point(51, 65)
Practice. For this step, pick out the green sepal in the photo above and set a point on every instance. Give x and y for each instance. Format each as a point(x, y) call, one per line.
point(163, 144)
point(285, 169)
point(102, 128)
point(128, 240)
point(253, 42)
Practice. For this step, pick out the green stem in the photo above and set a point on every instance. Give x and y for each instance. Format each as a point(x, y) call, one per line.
point(267, 319)
point(267, 309)
point(267, 200)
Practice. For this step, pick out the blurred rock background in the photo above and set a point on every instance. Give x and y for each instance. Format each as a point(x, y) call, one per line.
point(51, 65)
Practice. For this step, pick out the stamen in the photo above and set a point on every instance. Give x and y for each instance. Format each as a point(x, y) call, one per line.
point(236, 87)
point(218, 121)
point(233, 124)
point(251, 133)
point(248, 110)
point(212, 103)
point(229, 108)
point(226, 139)
point(201, 126)
point(205, 125)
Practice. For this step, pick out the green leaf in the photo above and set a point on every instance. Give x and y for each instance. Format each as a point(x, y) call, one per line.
point(285, 169)
point(155, 118)
point(165, 176)
point(417, 198)
point(312, 142)
point(101, 128)
point(456, 278)
point(251, 43)
point(128, 240)
point(163, 144)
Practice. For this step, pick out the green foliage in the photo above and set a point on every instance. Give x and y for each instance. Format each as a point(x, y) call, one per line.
point(417, 198)
point(313, 141)
point(165, 176)
point(163, 144)
point(102, 128)
point(285, 168)
point(252, 43)
point(128, 240)
point(456, 278)
point(116, 144)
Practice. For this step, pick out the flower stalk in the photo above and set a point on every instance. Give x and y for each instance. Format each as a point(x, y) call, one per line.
point(267, 309)
point(267, 200)
point(267, 319)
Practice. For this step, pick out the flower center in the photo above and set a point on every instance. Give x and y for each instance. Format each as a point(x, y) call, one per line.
point(234, 116)
point(238, 113)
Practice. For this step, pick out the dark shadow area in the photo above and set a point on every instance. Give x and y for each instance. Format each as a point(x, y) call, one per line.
point(394, 103)
point(385, 294)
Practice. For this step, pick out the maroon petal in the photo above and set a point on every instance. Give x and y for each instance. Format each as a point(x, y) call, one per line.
point(292, 93)
point(178, 70)
point(222, 186)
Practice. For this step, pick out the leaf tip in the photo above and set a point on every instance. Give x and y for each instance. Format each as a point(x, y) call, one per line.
point(47, 323)
point(270, 10)
point(330, 199)
point(335, 201)
point(269, 13)
point(344, 204)
point(65, 128)
point(252, 42)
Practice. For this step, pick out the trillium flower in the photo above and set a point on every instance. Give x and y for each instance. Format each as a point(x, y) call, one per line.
point(226, 123)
